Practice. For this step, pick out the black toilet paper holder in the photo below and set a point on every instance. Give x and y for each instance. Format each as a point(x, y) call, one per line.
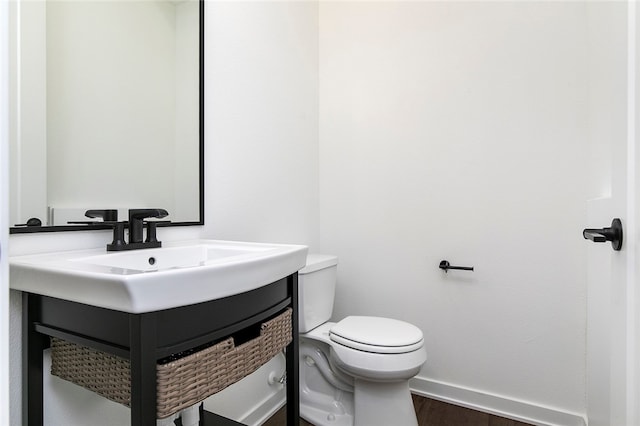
point(445, 266)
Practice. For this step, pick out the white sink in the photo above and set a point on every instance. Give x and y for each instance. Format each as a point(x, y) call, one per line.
point(136, 281)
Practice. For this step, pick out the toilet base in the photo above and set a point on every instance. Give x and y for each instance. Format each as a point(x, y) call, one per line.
point(322, 417)
point(383, 404)
point(372, 404)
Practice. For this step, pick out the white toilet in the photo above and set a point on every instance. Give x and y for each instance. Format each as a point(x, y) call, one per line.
point(354, 372)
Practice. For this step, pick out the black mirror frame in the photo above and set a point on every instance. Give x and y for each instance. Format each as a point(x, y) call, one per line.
point(98, 226)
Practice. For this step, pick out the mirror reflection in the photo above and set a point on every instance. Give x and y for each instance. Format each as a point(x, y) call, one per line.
point(105, 109)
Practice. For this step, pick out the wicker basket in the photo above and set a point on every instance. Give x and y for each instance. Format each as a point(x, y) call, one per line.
point(181, 383)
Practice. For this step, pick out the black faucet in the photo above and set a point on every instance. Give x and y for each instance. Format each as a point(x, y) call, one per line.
point(136, 225)
point(136, 218)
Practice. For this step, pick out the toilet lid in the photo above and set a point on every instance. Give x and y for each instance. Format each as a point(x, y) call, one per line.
point(378, 335)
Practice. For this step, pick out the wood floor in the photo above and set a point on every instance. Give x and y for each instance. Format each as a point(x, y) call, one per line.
point(431, 413)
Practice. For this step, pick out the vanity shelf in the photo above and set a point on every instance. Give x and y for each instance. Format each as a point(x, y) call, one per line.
point(145, 338)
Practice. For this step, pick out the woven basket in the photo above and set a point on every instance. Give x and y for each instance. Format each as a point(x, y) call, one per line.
point(180, 383)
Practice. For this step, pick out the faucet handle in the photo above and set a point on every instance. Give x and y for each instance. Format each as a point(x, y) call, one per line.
point(151, 233)
point(118, 242)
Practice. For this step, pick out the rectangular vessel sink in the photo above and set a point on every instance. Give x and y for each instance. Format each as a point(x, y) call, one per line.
point(136, 281)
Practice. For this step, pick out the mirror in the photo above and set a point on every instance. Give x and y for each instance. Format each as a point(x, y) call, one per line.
point(106, 110)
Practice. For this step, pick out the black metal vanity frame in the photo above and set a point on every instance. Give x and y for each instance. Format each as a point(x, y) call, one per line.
point(145, 338)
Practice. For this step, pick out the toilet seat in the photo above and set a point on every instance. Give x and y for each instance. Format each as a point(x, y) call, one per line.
point(377, 335)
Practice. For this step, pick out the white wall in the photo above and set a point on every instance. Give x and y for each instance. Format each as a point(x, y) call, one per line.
point(262, 121)
point(455, 130)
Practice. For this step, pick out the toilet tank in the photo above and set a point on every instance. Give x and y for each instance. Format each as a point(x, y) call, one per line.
point(316, 291)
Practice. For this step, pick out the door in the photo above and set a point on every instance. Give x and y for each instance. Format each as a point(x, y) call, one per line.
point(612, 305)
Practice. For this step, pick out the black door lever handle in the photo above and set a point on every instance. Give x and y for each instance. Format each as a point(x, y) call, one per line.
point(613, 234)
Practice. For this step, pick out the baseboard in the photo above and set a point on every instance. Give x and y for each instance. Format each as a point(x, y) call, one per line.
point(262, 412)
point(523, 411)
point(510, 408)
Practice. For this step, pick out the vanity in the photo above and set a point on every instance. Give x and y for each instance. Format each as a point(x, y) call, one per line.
point(141, 306)
point(147, 305)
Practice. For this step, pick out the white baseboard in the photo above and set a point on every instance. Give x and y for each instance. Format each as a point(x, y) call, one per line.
point(262, 412)
point(523, 411)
